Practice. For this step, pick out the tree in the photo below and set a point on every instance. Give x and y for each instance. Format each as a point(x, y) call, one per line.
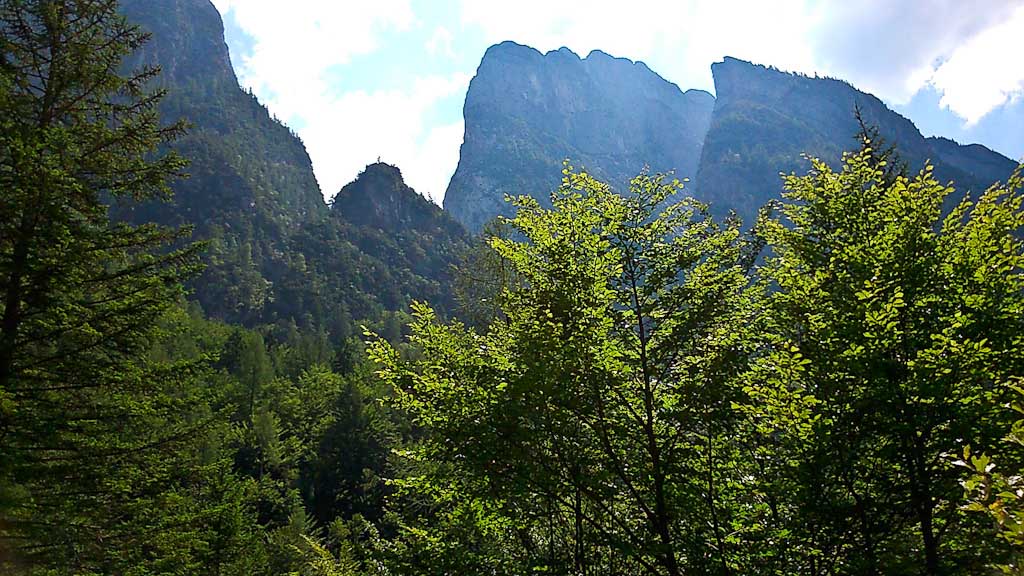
point(482, 277)
point(593, 425)
point(990, 489)
point(89, 428)
point(881, 153)
point(893, 331)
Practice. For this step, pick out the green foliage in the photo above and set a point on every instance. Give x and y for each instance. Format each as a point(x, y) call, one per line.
point(324, 563)
point(137, 436)
point(633, 394)
point(626, 327)
point(91, 431)
point(892, 333)
point(992, 490)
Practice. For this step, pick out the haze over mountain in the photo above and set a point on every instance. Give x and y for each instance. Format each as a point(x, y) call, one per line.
point(393, 75)
point(278, 252)
point(765, 120)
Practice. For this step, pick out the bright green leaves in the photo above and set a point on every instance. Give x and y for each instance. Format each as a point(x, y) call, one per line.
point(596, 408)
point(995, 486)
point(891, 330)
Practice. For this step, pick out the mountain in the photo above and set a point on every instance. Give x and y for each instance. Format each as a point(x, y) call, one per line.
point(277, 253)
point(415, 243)
point(765, 119)
point(526, 112)
point(265, 165)
point(379, 198)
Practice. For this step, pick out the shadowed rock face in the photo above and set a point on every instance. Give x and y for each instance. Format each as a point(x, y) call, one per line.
point(764, 120)
point(244, 163)
point(526, 112)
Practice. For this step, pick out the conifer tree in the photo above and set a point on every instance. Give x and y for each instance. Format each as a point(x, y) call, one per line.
point(91, 432)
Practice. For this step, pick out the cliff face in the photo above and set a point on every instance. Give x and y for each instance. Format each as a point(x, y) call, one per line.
point(187, 40)
point(526, 112)
point(764, 120)
point(232, 137)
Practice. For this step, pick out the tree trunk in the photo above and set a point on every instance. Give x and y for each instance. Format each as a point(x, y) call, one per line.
point(12, 309)
point(921, 499)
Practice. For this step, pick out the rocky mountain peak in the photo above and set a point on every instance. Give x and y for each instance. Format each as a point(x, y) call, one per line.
point(187, 40)
point(526, 112)
point(380, 198)
point(765, 120)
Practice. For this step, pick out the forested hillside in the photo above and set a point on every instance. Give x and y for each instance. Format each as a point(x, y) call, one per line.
point(223, 374)
point(275, 255)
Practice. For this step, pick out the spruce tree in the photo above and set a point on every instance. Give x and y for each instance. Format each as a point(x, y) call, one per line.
point(90, 431)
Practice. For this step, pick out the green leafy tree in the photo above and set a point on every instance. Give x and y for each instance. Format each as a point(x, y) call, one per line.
point(593, 427)
point(892, 333)
point(995, 486)
point(482, 277)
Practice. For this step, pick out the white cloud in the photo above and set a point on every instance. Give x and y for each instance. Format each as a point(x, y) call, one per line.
point(985, 72)
point(352, 130)
point(440, 43)
point(436, 160)
point(679, 40)
point(296, 42)
point(891, 48)
point(294, 47)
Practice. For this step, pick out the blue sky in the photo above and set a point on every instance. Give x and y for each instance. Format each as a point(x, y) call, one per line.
point(387, 79)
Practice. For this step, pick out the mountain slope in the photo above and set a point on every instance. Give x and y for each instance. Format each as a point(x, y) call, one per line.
point(764, 120)
point(391, 222)
point(277, 253)
point(243, 139)
point(526, 112)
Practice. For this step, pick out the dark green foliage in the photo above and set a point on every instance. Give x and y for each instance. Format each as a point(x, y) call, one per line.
point(994, 486)
point(106, 463)
point(298, 450)
point(138, 438)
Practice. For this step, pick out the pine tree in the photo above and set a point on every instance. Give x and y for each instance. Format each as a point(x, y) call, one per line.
point(90, 431)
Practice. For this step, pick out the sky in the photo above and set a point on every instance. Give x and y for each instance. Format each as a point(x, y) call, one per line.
point(386, 79)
